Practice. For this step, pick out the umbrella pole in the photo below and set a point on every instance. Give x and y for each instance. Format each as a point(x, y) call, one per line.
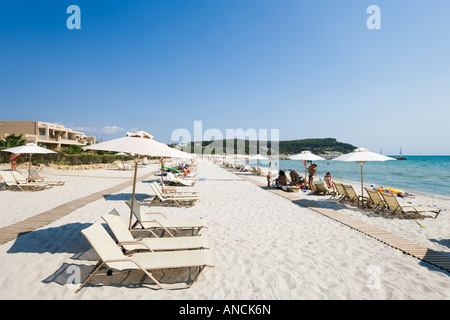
point(362, 201)
point(162, 179)
point(134, 191)
point(29, 167)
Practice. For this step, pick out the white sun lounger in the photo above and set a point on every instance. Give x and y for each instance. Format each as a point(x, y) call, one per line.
point(114, 260)
point(149, 222)
point(21, 180)
point(36, 176)
point(11, 183)
point(179, 199)
point(179, 181)
point(126, 240)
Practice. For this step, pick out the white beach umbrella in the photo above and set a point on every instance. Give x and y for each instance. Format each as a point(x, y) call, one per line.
point(257, 157)
point(362, 155)
point(137, 144)
point(243, 157)
point(29, 148)
point(306, 156)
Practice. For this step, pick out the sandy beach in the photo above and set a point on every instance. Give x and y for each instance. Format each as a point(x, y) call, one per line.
point(264, 245)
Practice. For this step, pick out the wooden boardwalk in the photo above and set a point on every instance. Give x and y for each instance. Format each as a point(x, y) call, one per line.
point(13, 231)
point(420, 252)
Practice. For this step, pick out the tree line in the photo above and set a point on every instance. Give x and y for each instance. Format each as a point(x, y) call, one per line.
point(316, 146)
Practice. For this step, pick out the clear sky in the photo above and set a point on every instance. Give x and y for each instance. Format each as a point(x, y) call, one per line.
point(311, 69)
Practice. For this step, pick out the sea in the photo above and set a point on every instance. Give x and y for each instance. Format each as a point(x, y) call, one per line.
point(417, 174)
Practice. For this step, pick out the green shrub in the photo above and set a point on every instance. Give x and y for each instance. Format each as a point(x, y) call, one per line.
point(65, 158)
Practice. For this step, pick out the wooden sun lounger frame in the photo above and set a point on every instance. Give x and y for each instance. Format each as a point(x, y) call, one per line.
point(396, 208)
point(340, 191)
point(352, 196)
point(375, 200)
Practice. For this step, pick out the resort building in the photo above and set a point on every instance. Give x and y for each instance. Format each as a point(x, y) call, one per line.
point(50, 135)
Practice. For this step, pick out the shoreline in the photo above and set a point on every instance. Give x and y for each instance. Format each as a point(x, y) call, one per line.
point(369, 185)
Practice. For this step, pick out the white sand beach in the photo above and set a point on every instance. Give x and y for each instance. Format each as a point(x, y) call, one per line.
point(264, 246)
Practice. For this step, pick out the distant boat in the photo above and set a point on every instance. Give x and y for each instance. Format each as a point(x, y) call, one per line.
point(400, 157)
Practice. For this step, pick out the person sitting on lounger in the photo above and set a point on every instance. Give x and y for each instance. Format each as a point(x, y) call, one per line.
point(186, 170)
point(295, 178)
point(303, 184)
point(329, 182)
point(282, 179)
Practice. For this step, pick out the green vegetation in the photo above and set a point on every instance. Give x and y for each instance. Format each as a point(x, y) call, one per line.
point(12, 141)
point(62, 158)
point(72, 155)
point(316, 146)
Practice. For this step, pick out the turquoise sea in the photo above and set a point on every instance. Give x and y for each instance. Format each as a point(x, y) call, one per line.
point(417, 174)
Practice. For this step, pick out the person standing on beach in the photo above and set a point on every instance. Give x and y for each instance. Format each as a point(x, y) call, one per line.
point(312, 169)
point(14, 158)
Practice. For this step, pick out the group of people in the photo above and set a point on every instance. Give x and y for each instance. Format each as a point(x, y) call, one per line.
point(183, 167)
point(298, 180)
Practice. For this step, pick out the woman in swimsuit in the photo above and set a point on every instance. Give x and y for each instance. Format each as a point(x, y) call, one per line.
point(312, 171)
point(329, 182)
point(14, 158)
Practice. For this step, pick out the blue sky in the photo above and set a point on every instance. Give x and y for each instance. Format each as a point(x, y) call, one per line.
point(311, 69)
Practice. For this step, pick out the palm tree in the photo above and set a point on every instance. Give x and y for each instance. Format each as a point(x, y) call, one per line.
point(12, 140)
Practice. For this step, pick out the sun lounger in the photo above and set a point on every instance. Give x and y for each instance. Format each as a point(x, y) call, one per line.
point(114, 260)
point(352, 196)
point(150, 222)
point(124, 166)
point(179, 181)
point(375, 201)
point(321, 188)
point(35, 176)
point(396, 208)
point(172, 198)
point(340, 191)
point(290, 188)
point(172, 190)
point(11, 183)
point(21, 180)
point(129, 244)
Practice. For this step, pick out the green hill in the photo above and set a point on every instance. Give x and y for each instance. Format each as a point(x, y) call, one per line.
point(316, 146)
